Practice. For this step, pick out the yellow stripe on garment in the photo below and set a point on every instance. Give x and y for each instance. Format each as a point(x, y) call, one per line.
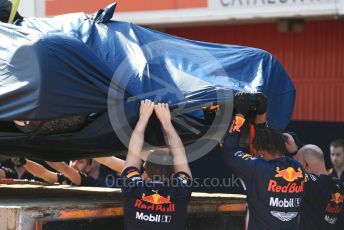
point(14, 9)
point(130, 175)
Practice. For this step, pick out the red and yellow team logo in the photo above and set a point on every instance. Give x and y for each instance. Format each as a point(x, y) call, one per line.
point(155, 202)
point(156, 199)
point(337, 198)
point(289, 174)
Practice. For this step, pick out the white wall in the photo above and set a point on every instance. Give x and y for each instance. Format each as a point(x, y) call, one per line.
point(32, 8)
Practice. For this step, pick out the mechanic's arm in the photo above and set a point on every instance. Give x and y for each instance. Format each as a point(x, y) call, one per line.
point(290, 144)
point(113, 163)
point(137, 137)
point(176, 145)
point(260, 120)
point(72, 174)
point(7, 173)
point(243, 164)
point(39, 171)
point(2, 173)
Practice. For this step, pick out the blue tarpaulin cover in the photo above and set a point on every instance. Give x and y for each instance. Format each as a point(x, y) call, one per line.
point(70, 64)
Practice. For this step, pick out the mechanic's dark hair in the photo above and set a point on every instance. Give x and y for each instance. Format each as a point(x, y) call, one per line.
point(269, 140)
point(337, 143)
point(159, 165)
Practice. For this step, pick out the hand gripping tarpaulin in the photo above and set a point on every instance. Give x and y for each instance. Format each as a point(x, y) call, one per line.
point(68, 65)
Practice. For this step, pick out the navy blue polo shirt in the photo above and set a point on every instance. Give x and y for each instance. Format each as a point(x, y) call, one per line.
point(274, 188)
point(322, 203)
point(155, 205)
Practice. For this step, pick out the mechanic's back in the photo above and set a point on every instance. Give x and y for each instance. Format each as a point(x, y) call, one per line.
point(274, 182)
point(158, 198)
point(324, 196)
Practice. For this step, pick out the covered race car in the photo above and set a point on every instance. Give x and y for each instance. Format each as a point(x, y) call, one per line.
point(76, 81)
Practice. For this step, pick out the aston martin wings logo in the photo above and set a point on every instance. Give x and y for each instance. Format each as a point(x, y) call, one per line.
point(284, 216)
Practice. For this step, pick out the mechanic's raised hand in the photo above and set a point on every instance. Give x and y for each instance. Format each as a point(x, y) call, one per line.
point(146, 109)
point(262, 99)
point(290, 143)
point(163, 113)
point(241, 103)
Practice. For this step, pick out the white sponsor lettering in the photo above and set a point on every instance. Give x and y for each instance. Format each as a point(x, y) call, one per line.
point(165, 218)
point(285, 203)
point(313, 178)
point(150, 217)
point(330, 220)
point(153, 218)
point(284, 216)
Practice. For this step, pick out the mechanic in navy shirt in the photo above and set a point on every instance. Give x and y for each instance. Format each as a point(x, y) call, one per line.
point(324, 194)
point(13, 169)
point(158, 198)
point(75, 174)
point(340, 220)
point(274, 182)
point(43, 173)
point(110, 166)
point(78, 172)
